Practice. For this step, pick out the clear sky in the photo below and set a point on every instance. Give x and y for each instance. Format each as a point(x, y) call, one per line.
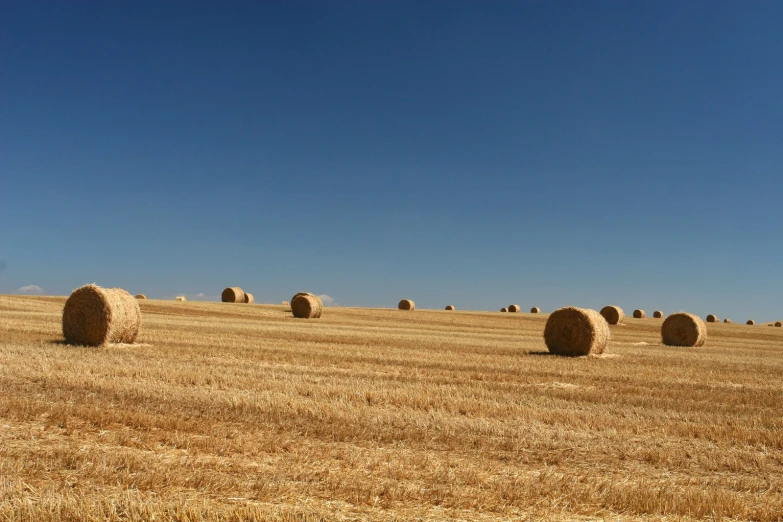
point(545, 153)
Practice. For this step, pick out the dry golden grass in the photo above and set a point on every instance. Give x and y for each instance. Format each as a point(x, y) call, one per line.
point(246, 413)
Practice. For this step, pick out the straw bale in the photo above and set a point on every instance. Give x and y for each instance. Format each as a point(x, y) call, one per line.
point(576, 331)
point(613, 314)
point(96, 316)
point(683, 329)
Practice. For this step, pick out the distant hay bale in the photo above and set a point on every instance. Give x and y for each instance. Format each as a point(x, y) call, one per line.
point(712, 319)
point(683, 329)
point(450, 307)
point(307, 306)
point(514, 308)
point(639, 314)
point(727, 321)
point(95, 316)
point(249, 299)
point(504, 309)
point(406, 304)
point(751, 322)
point(576, 331)
point(613, 314)
point(233, 294)
point(140, 296)
point(779, 324)
point(658, 314)
point(180, 298)
point(535, 310)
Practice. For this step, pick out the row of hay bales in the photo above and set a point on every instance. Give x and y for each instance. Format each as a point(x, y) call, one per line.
point(409, 305)
point(577, 331)
point(615, 315)
point(96, 316)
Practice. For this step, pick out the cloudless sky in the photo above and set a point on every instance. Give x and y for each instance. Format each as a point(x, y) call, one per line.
point(545, 153)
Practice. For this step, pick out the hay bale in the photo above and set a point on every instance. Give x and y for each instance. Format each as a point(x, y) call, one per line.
point(727, 321)
point(406, 304)
point(504, 309)
point(450, 307)
point(683, 329)
point(95, 316)
point(514, 308)
point(307, 306)
point(233, 294)
point(712, 319)
point(658, 314)
point(639, 314)
point(751, 322)
point(613, 314)
point(140, 296)
point(779, 324)
point(180, 298)
point(249, 299)
point(576, 331)
point(535, 310)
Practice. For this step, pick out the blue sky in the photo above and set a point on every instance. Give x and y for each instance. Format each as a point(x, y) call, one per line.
point(471, 153)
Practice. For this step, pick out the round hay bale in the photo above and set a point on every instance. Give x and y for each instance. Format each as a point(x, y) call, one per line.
point(406, 304)
point(779, 324)
point(450, 307)
point(249, 299)
point(712, 319)
point(751, 322)
point(727, 321)
point(613, 314)
point(535, 310)
point(682, 329)
point(233, 294)
point(576, 331)
point(658, 314)
point(140, 296)
point(504, 309)
point(307, 306)
point(180, 298)
point(514, 308)
point(95, 316)
point(639, 314)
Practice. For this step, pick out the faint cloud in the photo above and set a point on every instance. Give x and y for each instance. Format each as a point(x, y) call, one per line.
point(30, 289)
point(328, 300)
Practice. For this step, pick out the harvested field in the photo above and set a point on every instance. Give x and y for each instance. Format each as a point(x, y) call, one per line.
point(246, 413)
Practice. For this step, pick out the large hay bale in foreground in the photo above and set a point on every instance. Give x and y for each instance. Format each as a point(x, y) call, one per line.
point(140, 296)
point(233, 294)
point(683, 329)
point(613, 314)
point(450, 307)
point(751, 322)
point(779, 324)
point(639, 314)
point(307, 306)
point(712, 319)
point(576, 331)
point(727, 321)
point(514, 308)
point(504, 309)
point(95, 316)
point(406, 304)
point(249, 299)
point(658, 314)
point(535, 310)
point(180, 298)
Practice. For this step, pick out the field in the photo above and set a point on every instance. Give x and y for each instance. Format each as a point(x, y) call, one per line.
point(241, 412)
